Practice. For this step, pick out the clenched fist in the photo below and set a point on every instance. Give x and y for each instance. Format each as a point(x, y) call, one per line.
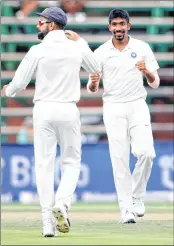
point(72, 35)
point(95, 79)
point(142, 67)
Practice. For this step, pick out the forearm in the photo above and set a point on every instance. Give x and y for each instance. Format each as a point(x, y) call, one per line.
point(149, 76)
point(89, 62)
point(19, 82)
point(153, 79)
point(23, 74)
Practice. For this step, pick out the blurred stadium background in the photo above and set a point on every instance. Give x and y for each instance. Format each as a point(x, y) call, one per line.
point(152, 22)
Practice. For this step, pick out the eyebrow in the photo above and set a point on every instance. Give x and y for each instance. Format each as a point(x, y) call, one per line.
point(113, 22)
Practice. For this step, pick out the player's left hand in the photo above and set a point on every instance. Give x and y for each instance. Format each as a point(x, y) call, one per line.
point(3, 90)
point(72, 35)
point(142, 67)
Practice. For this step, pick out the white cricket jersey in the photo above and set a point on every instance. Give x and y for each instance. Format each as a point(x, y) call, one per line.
point(122, 81)
point(56, 62)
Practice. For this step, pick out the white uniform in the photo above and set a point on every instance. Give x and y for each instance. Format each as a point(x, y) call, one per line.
point(126, 116)
point(56, 61)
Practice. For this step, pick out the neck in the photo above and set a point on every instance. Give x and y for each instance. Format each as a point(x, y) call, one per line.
point(120, 44)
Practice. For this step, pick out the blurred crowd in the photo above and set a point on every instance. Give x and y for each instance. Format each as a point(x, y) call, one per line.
point(75, 9)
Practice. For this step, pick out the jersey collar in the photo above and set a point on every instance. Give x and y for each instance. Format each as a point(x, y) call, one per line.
point(128, 46)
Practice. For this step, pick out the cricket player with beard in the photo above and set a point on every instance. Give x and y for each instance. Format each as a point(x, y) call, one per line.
point(56, 119)
point(124, 61)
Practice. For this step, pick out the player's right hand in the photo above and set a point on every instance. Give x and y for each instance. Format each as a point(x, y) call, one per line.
point(95, 79)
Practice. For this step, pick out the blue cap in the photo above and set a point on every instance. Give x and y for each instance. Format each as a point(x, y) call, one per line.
point(54, 14)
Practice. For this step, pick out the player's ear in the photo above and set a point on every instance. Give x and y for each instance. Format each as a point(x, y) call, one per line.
point(109, 27)
point(52, 26)
point(129, 26)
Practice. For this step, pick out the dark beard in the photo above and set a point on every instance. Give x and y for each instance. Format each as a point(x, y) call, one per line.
point(119, 38)
point(41, 35)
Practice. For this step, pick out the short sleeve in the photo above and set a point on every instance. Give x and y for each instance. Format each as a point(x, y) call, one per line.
point(150, 60)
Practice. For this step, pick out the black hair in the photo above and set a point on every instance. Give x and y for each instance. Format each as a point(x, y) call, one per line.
point(60, 26)
point(115, 13)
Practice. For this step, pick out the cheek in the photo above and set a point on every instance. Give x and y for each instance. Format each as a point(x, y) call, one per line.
point(126, 30)
point(111, 29)
point(40, 28)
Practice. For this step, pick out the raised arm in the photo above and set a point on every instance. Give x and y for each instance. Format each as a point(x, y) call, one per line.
point(89, 63)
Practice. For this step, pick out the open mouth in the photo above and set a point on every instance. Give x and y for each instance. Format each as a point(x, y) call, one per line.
point(119, 33)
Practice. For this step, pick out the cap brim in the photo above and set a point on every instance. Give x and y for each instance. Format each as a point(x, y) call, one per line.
point(39, 14)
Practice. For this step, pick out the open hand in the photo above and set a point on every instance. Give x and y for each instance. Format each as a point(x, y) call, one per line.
point(72, 35)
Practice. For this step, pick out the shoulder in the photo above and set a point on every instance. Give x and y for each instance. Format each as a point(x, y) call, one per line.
point(102, 48)
point(71, 42)
point(141, 47)
point(140, 43)
point(76, 46)
point(36, 47)
point(35, 50)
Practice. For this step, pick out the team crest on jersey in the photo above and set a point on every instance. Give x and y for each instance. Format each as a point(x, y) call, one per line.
point(133, 54)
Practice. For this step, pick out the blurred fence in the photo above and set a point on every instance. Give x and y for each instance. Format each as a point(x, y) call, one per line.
point(152, 21)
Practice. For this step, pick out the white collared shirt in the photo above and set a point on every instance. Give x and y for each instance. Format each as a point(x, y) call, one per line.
point(56, 62)
point(122, 81)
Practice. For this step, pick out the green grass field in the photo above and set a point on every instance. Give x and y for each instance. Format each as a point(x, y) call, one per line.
point(91, 224)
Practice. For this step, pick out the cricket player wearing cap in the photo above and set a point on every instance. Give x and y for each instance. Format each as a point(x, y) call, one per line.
point(56, 119)
point(123, 62)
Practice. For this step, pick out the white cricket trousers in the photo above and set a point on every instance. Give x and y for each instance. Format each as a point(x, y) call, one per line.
point(129, 124)
point(56, 123)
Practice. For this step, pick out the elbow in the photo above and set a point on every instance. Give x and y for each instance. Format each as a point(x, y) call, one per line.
point(154, 85)
point(157, 83)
